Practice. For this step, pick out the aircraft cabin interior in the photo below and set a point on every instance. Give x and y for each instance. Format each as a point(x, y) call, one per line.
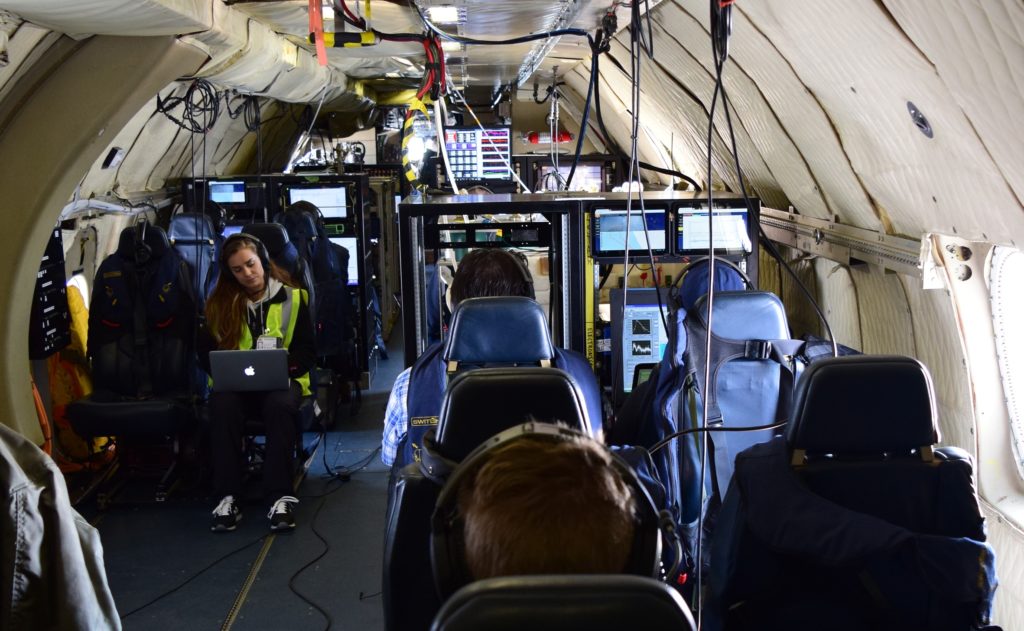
point(550, 314)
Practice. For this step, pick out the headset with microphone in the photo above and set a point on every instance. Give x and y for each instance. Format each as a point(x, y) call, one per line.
point(447, 542)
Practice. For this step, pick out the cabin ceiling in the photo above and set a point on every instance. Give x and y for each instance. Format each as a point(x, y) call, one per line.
point(224, 29)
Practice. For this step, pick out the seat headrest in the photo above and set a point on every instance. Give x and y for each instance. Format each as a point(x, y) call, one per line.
point(480, 403)
point(746, 315)
point(504, 329)
point(565, 601)
point(863, 404)
point(695, 283)
point(151, 242)
point(301, 224)
point(273, 236)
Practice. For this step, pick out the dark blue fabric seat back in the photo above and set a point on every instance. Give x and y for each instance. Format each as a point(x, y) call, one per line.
point(192, 235)
point(853, 520)
point(499, 330)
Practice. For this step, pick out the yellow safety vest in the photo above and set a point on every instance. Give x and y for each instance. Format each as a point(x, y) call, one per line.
point(277, 314)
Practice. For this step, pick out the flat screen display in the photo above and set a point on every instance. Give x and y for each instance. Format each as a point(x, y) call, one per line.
point(350, 244)
point(611, 234)
point(231, 229)
point(479, 154)
point(639, 336)
point(588, 177)
point(232, 192)
point(331, 200)
point(730, 230)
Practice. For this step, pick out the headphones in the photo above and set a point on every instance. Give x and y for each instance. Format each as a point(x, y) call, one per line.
point(522, 268)
point(447, 542)
point(523, 264)
point(261, 251)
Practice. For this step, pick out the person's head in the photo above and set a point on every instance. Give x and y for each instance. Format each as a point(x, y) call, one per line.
point(245, 268)
point(537, 506)
point(490, 272)
point(241, 257)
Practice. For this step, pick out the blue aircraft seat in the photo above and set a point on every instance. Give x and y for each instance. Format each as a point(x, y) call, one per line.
point(853, 520)
point(192, 235)
point(753, 368)
point(492, 331)
point(477, 405)
point(595, 602)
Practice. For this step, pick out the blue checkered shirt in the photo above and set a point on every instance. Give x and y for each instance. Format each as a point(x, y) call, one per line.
point(396, 417)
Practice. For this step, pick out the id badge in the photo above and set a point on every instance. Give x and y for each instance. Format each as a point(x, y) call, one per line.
point(268, 342)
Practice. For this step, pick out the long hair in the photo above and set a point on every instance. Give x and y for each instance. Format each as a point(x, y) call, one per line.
point(225, 308)
point(538, 507)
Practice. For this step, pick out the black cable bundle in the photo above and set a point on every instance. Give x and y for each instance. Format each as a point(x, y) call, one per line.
point(201, 107)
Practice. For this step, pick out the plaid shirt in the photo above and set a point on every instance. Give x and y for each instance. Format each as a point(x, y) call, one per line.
point(396, 418)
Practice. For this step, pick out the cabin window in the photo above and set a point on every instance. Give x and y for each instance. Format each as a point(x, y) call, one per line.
point(1007, 314)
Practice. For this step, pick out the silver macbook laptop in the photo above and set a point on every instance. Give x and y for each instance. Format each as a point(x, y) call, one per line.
point(246, 371)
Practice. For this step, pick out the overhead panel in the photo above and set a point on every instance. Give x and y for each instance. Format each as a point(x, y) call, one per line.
point(115, 17)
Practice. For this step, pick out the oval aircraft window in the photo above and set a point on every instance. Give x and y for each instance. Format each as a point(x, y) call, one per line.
point(1007, 313)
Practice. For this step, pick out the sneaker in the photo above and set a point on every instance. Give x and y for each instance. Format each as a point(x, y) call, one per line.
point(280, 514)
point(226, 516)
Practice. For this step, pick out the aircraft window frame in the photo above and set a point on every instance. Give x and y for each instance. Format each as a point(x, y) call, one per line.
point(1006, 267)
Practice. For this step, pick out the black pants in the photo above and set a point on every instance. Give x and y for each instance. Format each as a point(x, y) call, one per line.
point(277, 410)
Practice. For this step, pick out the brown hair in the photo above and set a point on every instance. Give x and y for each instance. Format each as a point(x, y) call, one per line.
point(541, 507)
point(225, 307)
point(489, 272)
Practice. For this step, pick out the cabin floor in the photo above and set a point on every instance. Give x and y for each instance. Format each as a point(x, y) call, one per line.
point(168, 571)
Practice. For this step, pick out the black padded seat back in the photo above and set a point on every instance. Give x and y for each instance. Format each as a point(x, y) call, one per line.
point(864, 427)
point(560, 602)
point(480, 403)
point(499, 330)
point(864, 404)
point(842, 523)
point(141, 318)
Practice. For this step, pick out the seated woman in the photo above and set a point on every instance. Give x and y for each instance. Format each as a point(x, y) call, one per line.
point(247, 309)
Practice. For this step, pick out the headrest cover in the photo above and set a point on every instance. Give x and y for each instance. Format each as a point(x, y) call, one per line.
point(863, 404)
point(695, 283)
point(746, 315)
point(191, 227)
point(273, 235)
point(480, 403)
point(506, 329)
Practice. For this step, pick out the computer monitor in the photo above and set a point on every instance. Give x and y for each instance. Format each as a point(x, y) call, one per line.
point(230, 229)
point(350, 244)
point(479, 154)
point(226, 191)
point(610, 234)
point(639, 337)
point(731, 231)
point(589, 176)
point(331, 199)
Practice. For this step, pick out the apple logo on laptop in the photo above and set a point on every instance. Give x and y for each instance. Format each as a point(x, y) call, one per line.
point(249, 371)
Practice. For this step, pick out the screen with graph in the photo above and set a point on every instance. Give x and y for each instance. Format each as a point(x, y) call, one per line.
point(638, 333)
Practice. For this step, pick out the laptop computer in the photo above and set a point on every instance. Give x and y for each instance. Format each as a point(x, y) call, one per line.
point(247, 371)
